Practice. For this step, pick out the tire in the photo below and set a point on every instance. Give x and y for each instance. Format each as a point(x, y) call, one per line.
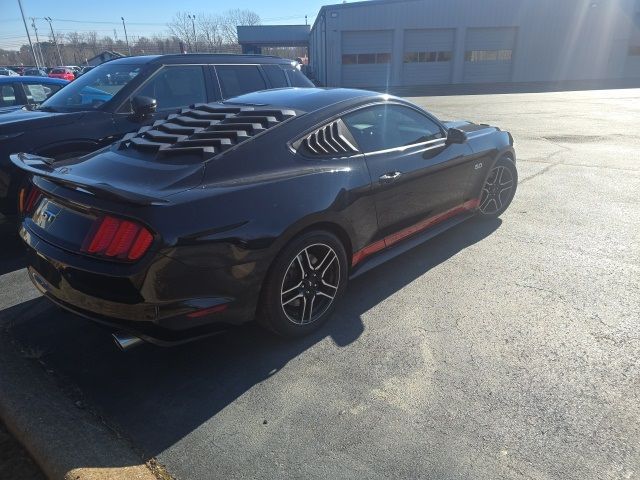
point(305, 282)
point(495, 198)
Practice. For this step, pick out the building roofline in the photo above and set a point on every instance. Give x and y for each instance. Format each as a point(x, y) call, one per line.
point(361, 3)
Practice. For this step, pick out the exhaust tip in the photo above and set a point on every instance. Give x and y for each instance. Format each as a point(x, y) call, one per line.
point(125, 341)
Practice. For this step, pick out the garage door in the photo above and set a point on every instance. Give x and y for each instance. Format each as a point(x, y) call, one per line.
point(488, 54)
point(366, 58)
point(428, 56)
point(632, 68)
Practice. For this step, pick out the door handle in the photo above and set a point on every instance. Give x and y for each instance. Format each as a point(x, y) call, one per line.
point(389, 177)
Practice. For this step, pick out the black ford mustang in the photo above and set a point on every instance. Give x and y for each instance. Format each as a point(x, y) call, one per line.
point(258, 207)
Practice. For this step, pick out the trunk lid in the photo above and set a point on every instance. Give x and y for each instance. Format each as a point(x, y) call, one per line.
point(105, 181)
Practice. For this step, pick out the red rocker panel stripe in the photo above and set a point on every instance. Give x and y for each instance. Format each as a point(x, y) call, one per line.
point(394, 238)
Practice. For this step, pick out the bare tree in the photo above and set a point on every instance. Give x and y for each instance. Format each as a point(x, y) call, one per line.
point(209, 31)
point(91, 38)
point(182, 28)
point(233, 18)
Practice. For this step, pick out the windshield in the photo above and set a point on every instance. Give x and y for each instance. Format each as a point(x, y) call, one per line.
point(93, 89)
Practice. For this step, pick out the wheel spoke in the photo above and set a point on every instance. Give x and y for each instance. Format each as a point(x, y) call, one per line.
point(327, 284)
point(292, 289)
point(302, 269)
point(498, 202)
point(322, 265)
point(321, 293)
point(306, 254)
point(498, 178)
point(485, 202)
point(333, 258)
point(292, 299)
point(313, 299)
point(304, 308)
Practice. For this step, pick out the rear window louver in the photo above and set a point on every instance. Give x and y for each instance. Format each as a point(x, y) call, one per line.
point(332, 139)
point(205, 129)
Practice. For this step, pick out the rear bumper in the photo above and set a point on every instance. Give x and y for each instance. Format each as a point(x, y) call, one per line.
point(137, 299)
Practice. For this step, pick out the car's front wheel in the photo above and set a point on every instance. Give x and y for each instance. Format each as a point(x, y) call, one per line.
point(499, 188)
point(304, 284)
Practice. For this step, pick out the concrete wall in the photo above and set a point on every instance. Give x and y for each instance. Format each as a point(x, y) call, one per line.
point(556, 39)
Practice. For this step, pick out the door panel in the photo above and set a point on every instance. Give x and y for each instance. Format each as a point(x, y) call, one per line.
point(417, 183)
point(414, 173)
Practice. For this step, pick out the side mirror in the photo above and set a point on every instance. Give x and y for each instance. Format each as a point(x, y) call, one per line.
point(455, 135)
point(143, 106)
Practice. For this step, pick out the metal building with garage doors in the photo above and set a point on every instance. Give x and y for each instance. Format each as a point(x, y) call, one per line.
point(429, 42)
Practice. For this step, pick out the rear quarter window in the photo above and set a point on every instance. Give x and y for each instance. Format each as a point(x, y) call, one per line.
point(238, 79)
point(298, 79)
point(276, 76)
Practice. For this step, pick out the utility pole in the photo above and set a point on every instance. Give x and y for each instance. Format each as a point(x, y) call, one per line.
point(193, 25)
point(48, 19)
point(33, 52)
point(125, 35)
point(38, 46)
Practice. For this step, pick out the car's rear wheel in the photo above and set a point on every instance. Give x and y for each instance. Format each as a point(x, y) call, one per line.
point(304, 284)
point(499, 188)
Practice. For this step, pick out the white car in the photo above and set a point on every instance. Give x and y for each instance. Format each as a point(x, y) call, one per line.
point(7, 72)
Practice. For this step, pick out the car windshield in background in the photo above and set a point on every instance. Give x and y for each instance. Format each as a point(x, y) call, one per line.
point(93, 89)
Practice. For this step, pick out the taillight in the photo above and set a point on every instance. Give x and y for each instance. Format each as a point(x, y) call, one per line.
point(28, 198)
point(115, 238)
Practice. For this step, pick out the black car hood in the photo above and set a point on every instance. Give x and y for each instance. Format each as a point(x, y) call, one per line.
point(18, 120)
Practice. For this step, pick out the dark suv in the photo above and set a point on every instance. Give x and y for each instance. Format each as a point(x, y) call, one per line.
point(124, 94)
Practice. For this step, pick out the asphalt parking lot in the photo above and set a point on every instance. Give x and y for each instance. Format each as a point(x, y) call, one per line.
point(508, 349)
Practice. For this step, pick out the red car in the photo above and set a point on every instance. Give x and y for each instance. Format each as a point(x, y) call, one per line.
point(64, 73)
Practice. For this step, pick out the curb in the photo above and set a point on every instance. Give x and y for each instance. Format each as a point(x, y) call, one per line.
point(66, 442)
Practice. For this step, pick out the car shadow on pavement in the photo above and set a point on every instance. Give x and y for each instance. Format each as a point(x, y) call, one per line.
point(12, 251)
point(156, 396)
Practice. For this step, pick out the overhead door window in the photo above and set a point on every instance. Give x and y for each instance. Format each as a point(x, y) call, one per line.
point(238, 79)
point(382, 127)
point(177, 87)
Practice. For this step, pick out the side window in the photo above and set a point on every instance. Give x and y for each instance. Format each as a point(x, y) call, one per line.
point(239, 79)
point(7, 96)
point(177, 87)
point(276, 76)
point(390, 126)
point(38, 93)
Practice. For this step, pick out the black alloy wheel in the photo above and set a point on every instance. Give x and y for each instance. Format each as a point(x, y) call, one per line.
point(499, 188)
point(304, 284)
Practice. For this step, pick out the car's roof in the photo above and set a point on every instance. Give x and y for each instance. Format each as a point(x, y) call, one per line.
point(199, 57)
point(29, 78)
point(302, 99)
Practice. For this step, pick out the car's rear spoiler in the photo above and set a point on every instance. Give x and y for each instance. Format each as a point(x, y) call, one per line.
point(44, 167)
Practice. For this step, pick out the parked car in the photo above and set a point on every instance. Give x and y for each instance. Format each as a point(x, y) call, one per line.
point(7, 72)
point(17, 91)
point(94, 110)
point(34, 72)
point(74, 68)
point(261, 206)
point(86, 69)
point(63, 73)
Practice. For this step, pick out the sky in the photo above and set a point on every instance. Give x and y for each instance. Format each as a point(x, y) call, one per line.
point(143, 17)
